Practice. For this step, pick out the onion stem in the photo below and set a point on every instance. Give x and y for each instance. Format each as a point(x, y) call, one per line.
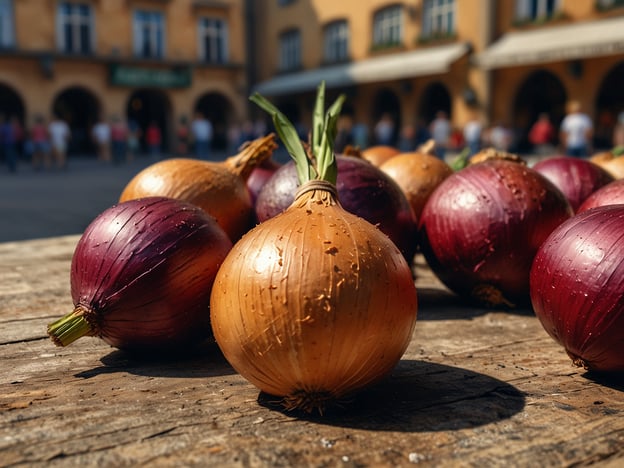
point(69, 328)
point(321, 165)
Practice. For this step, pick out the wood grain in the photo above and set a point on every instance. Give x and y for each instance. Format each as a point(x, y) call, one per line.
point(476, 387)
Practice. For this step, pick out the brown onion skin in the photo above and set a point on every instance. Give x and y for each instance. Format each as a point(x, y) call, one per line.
point(482, 226)
point(363, 190)
point(418, 174)
point(576, 178)
point(379, 154)
point(610, 194)
point(577, 287)
point(314, 301)
point(143, 271)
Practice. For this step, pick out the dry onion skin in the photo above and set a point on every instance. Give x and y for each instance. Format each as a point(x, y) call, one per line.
point(418, 174)
point(141, 276)
point(611, 161)
point(316, 303)
point(379, 154)
point(218, 187)
point(577, 287)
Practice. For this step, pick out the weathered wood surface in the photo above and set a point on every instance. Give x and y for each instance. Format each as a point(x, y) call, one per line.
point(475, 388)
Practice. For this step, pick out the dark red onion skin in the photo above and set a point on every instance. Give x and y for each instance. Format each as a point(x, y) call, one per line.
point(577, 287)
point(143, 270)
point(577, 178)
point(482, 226)
point(610, 194)
point(363, 190)
point(259, 177)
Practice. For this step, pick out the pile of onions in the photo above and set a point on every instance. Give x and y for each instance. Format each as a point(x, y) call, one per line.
point(576, 178)
point(482, 226)
point(141, 276)
point(219, 188)
point(611, 161)
point(610, 194)
point(316, 303)
point(577, 287)
point(379, 154)
point(418, 174)
point(363, 190)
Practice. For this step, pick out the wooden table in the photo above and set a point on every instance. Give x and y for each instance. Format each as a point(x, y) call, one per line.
point(476, 388)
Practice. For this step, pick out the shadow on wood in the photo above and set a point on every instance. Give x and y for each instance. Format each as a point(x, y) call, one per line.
point(206, 360)
point(421, 397)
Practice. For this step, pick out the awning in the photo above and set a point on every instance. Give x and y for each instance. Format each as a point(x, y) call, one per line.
point(556, 43)
point(429, 61)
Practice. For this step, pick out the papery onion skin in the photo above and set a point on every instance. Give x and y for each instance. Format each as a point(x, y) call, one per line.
point(218, 187)
point(576, 178)
point(418, 174)
point(610, 194)
point(314, 301)
point(363, 190)
point(482, 226)
point(142, 273)
point(379, 154)
point(577, 287)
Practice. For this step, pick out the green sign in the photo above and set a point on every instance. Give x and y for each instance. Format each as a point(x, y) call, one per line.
point(121, 75)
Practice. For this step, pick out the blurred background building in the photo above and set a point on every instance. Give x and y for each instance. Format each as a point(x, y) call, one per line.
point(501, 60)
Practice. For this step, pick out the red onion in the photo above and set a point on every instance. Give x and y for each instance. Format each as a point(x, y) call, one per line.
point(259, 176)
point(610, 194)
point(482, 226)
point(577, 287)
point(576, 178)
point(142, 274)
point(363, 189)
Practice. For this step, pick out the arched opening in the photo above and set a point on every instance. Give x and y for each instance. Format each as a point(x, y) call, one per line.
point(218, 109)
point(80, 109)
point(11, 107)
point(434, 98)
point(609, 103)
point(386, 103)
point(146, 106)
point(541, 92)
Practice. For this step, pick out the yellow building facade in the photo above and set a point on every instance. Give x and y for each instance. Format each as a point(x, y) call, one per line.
point(137, 59)
point(499, 60)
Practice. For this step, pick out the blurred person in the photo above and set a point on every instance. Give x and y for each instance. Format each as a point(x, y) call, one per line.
point(234, 137)
point(202, 133)
point(407, 138)
point(384, 130)
point(576, 131)
point(39, 144)
point(133, 142)
point(183, 137)
point(441, 131)
point(101, 133)
point(360, 135)
point(260, 128)
point(59, 138)
point(119, 139)
point(153, 139)
point(9, 139)
point(500, 137)
point(472, 134)
point(542, 134)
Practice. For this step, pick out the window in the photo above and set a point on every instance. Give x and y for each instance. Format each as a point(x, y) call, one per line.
point(213, 40)
point(388, 26)
point(336, 41)
point(290, 50)
point(75, 28)
point(7, 35)
point(536, 9)
point(438, 18)
point(149, 31)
